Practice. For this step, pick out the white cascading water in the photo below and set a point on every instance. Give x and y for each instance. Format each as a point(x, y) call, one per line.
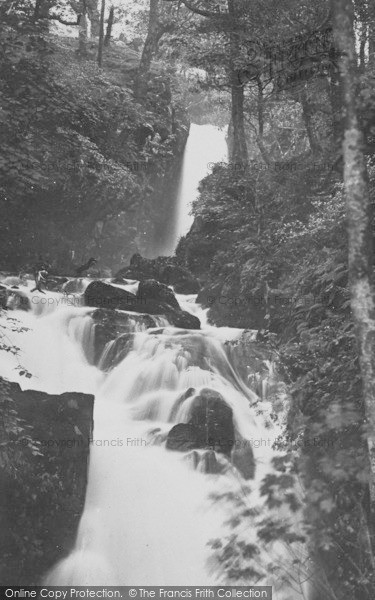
point(205, 146)
point(149, 512)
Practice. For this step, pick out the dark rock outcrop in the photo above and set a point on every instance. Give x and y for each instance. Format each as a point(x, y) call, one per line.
point(43, 479)
point(183, 319)
point(211, 428)
point(214, 420)
point(183, 437)
point(158, 292)
point(181, 279)
point(103, 295)
point(163, 269)
point(210, 425)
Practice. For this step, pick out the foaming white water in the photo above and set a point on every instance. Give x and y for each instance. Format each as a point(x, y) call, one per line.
point(144, 520)
point(149, 512)
point(149, 515)
point(188, 303)
point(55, 341)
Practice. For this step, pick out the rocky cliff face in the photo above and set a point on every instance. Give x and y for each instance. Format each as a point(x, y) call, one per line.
point(43, 469)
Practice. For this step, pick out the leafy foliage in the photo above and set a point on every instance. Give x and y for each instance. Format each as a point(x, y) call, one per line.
point(74, 155)
point(273, 237)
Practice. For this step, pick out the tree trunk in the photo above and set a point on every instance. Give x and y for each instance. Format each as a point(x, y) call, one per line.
point(38, 5)
point(41, 9)
point(93, 13)
point(359, 221)
point(335, 95)
point(82, 30)
point(149, 48)
point(240, 153)
point(260, 107)
point(101, 34)
point(307, 115)
point(108, 34)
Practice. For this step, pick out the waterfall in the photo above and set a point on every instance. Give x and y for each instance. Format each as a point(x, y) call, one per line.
point(156, 499)
point(149, 514)
point(205, 146)
point(55, 340)
point(151, 510)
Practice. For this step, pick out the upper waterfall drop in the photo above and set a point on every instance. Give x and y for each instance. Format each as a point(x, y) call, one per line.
point(205, 146)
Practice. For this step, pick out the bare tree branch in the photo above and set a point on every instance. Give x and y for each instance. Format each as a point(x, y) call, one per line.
point(63, 21)
point(201, 11)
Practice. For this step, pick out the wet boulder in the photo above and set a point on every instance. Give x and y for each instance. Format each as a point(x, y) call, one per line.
point(182, 280)
point(140, 268)
point(103, 295)
point(210, 425)
point(214, 420)
point(183, 437)
point(211, 429)
point(152, 290)
point(163, 269)
point(183, 319)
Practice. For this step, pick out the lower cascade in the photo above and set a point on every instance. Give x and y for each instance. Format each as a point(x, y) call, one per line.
point(175, 429)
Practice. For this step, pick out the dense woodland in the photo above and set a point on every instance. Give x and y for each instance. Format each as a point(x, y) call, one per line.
point(95, 109)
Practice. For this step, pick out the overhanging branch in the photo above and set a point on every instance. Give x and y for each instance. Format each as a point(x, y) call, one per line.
point(201, 11)
point(63, 21)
